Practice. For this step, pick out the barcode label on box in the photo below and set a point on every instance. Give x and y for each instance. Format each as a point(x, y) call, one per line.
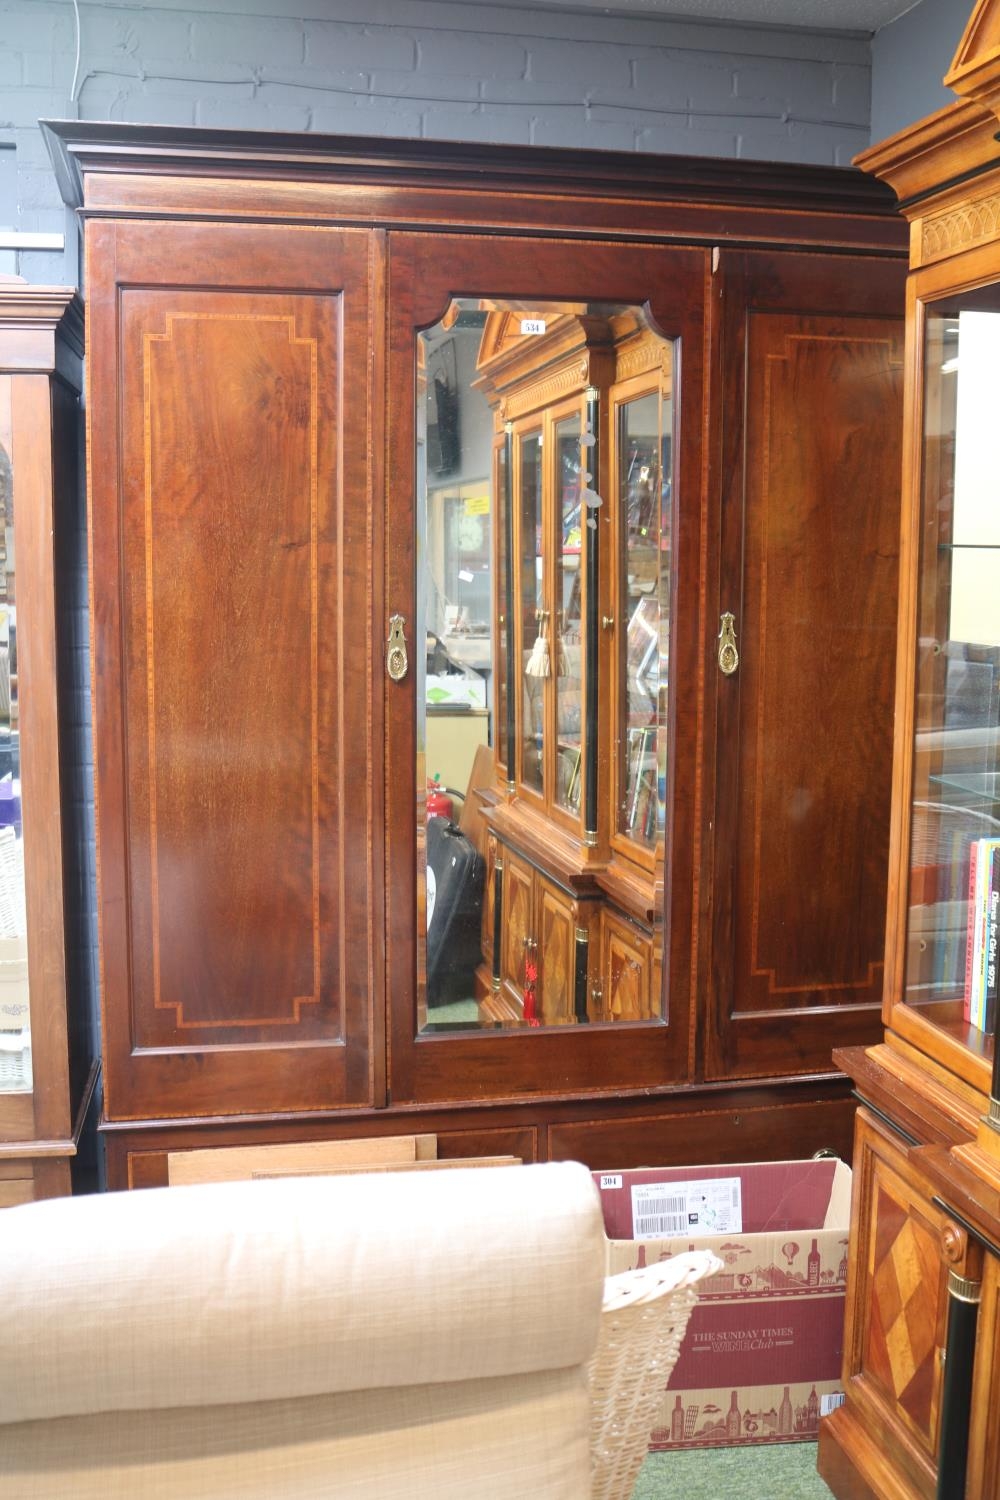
point(611, 1182)
point(532, 325)
point(827, 1404)
point(662, 1211)
point(659, 1217)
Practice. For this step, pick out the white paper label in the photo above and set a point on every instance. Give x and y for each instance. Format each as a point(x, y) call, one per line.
point(662, 1211)
point(532, 325)
point(827, 1404)
point(611, 1181)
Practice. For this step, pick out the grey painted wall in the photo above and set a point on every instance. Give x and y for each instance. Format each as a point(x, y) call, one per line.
point(909, 59)
point(432, 68)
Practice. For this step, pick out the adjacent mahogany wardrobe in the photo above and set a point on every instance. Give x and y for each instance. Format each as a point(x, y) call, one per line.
point(49, 1071)
point(586, 463)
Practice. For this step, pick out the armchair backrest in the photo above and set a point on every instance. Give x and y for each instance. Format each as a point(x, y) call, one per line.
point(303, 1290)
point(265, 1290)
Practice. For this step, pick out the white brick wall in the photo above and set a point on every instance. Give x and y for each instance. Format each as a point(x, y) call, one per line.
point(431, 68)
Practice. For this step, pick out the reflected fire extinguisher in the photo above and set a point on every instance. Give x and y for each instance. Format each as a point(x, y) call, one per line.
point(439, 804)
point(530, 986)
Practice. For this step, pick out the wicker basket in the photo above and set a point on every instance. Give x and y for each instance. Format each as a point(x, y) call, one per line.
point(15, 1062)
point(643, 1321)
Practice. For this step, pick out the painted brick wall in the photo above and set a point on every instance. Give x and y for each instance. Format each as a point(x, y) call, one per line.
point(909, 59)
point(416, 68)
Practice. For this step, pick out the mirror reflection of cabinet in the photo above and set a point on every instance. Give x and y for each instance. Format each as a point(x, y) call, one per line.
point(641, 489)
point(47, 1067)
point(580, 397)
point(270, 928)
point(574, 400)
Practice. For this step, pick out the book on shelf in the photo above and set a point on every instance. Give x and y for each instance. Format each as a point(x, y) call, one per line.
point(641, 776)
point(970, 942)
point(978, 915)
point(572, 757)
point(982, 934)
point(990, 954)
point(652, 804)
point(950, 898)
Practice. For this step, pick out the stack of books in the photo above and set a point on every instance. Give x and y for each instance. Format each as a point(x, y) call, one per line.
point(981, 953)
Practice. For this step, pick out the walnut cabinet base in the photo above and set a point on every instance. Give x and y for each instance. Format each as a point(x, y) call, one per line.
point(257, 752)
point(760, 1122)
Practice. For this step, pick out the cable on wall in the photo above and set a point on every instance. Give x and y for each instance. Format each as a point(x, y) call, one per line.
point(76, 66)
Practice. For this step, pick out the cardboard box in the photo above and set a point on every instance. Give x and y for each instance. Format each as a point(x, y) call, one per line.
point(761, 1361)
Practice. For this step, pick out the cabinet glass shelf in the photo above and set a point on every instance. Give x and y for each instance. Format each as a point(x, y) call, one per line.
point(953, 937)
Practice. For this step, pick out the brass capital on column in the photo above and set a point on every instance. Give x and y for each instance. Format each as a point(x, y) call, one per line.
point(963, 1289)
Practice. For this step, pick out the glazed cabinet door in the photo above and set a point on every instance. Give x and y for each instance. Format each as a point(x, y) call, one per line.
point(230, 432)
point(811, 393)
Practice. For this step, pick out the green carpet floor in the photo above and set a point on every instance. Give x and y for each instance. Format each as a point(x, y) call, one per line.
point(775, 1471)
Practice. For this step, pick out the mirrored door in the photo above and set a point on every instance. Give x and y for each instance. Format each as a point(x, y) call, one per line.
point(557, 385)
point(526, 552)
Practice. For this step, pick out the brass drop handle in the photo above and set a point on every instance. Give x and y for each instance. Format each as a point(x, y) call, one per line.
point(396, 660)
point(729, 657)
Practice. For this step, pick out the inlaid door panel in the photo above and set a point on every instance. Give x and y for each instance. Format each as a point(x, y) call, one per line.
point(233, 640)
point(627, 964)
point(518, 924)
point(811, 493)
point(898, 1304)
point(489, 897)
point(556, 955)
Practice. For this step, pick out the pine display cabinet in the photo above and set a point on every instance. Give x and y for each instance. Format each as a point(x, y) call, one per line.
point(921, 1364)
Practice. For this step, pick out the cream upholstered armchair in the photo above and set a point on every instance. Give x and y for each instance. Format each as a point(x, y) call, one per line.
point(361, 1338)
